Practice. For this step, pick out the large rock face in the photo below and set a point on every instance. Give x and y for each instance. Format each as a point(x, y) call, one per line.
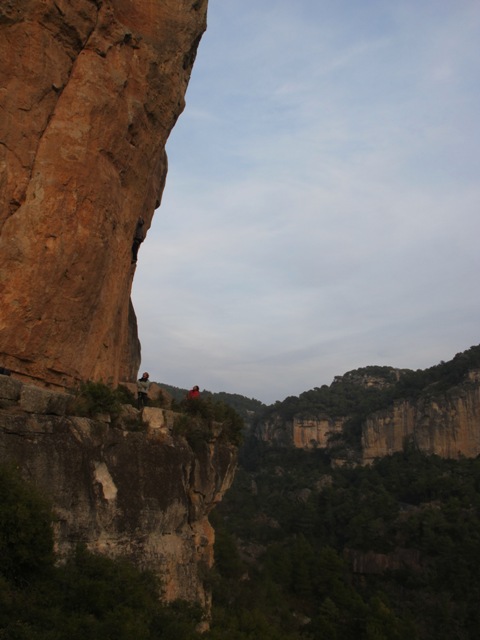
point(90, 90)
point(315, 432)
point(142, 495)
point(448, 426)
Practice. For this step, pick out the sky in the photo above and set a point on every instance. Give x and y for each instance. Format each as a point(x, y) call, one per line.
point(322, 205)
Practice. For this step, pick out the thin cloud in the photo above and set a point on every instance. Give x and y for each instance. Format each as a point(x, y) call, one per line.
point(321, 208)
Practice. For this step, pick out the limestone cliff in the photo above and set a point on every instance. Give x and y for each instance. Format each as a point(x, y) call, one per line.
point(144, 495)
point(303, 432)
point(89, 92)
point(446, 425)
point(315, 432)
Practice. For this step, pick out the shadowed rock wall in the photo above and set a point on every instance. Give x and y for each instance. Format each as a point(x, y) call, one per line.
point(142, 495)
point(89, 92)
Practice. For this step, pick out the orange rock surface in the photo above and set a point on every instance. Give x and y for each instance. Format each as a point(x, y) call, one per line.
point(89, 92)
point(446, 426)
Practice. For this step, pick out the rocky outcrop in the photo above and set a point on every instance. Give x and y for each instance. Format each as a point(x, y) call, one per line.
point(370, 377)
point(447, 425)
point(315, 433)
point(90, 92)
point(140, 494)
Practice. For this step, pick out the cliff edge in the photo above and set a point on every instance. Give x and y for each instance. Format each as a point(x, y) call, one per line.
point(144, 495)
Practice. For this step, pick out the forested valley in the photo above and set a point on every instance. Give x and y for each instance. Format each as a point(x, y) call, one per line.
point(389, 551)
point(304, 550)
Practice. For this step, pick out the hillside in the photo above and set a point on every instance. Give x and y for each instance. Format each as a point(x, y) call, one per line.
point(372, 411)
point(371, 388)
point(304, 549)
point(308, 550)
point(387, 551)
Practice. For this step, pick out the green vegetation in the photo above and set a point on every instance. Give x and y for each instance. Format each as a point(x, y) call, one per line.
point(303, 551)
point(285, 537)
point(26, 540)
point(245, 407)
point(93, 398)
point(288, 531)
point(201, 419)
point(88, 597)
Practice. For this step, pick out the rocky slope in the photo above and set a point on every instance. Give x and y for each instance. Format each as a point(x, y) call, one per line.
point(90, 90)
point(144, 495)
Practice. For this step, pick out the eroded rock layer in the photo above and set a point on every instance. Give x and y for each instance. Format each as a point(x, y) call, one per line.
point(89, 92)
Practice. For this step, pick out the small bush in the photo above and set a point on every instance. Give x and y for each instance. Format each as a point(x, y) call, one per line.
point(232, 423)
point(130, 423)
point(203, 414)
point(181, 424)
point(125, 396)
point(193, 429)
point(93, 398)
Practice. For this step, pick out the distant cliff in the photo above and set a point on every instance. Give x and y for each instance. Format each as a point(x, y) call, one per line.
point(374, 412)
point(132, 488)
point(90, 92)
point(447, 425)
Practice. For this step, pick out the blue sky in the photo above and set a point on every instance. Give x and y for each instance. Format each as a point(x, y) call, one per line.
point(321, 211)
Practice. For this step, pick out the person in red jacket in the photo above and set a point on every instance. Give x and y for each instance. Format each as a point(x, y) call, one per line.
point(193, 393)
